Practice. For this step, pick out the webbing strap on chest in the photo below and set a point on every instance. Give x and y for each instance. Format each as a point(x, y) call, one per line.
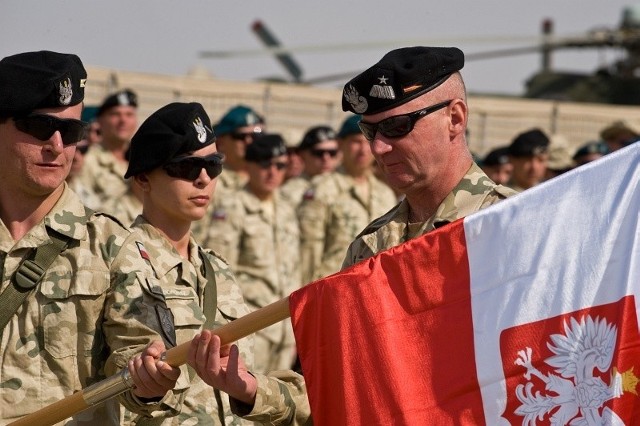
point(210, 292)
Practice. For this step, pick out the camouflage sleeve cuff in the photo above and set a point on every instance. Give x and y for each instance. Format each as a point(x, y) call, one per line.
point(280, 399)
point(169, 406)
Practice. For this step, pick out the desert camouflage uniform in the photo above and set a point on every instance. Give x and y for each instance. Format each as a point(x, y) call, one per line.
point(125, 208)
point(262, 247)
point(474, 192)
point(96, 300)
point(294, 189)
point(87, 196)
point(231, 180)
point(183, 285)
point(332, 214)
point(103, 174)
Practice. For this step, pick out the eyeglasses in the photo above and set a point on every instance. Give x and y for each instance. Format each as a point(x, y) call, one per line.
point(189, 168)
point(244, 136)
point(266, 164)
point(321, 152)
point(398, 125)
point(43, 126)
point(82, 149)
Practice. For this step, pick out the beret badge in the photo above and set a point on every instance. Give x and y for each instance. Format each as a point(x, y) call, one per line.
point(65, 90)
point(200, 129)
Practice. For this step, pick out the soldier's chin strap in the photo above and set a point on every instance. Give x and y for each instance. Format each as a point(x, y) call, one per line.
point(31, 271)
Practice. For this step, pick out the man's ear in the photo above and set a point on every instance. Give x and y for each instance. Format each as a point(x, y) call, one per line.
point(142, 180)
point(459, 116)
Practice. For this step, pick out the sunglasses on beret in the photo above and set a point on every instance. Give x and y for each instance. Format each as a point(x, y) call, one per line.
point(189, 168)
point(398, 125)
point(43, 126)
point(320, 153)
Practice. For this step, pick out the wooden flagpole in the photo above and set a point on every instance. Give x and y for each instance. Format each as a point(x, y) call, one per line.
point(177, 356)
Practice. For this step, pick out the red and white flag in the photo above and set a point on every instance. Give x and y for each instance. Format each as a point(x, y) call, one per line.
point(524, 313)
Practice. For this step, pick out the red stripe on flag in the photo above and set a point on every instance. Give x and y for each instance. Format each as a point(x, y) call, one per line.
point(388, 342)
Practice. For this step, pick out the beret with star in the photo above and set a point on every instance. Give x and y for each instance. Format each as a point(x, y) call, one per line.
point(173, 130)
point(400, 76)
point(43, 79)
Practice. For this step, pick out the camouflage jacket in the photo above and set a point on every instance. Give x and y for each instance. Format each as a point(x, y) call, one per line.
point(183, 283)
point(474, 192)
point(263, 248)
point(331, 215)
point(231, 180)
point(124, 208)
point(93, 310)
point(294, 189)
point(103, 174)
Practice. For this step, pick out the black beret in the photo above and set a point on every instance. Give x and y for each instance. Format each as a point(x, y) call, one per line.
point(497, 157)
point(266, 147)
point(124, 97)
point(315, 135)
point(400, 76)
point(529, 143)
point(44, 79)
point(173, 130)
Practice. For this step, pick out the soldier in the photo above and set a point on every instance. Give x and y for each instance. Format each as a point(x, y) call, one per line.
point(589, 152)
point(618, 135)
point(235, 131)
point(339, 205)
point(175, 164)
point(319, 153)
point(497, 166)
point(414, 114)
point(106, 163)
point(126, 207)
point(257, 232)
point(77, 298)
point(529, 154)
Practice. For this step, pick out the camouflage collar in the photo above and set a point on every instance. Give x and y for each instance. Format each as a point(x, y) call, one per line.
point(65, 216)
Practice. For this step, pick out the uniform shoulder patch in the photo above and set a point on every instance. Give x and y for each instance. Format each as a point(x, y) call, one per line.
point(143, 251)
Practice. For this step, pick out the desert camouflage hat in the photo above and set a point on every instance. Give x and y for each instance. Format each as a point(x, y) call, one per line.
point(43, 79)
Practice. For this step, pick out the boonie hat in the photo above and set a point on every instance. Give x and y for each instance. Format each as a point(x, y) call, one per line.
point(43, 79)
point(400, 76)
point(173, 130)
point(236, 117)
point(315, 135)
point(266, 147)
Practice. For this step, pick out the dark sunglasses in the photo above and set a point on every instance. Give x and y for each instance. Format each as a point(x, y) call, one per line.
point(321, 152)
point(43, 126)
point(398, 125)
point(189, 168)
point(266, 164)
point(82, 149)
point(244, 136)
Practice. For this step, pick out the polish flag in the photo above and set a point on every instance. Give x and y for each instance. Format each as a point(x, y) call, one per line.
point(524, 313)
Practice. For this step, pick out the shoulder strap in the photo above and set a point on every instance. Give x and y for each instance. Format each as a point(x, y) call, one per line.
point(31, 271)
point(210, 292)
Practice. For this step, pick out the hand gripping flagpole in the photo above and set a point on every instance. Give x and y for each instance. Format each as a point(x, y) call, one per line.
point(177, 356)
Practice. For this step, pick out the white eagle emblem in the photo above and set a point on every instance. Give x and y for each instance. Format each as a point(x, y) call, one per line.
point(585, 346)
point(66, 92)
point(200, 129)
point(359, 103)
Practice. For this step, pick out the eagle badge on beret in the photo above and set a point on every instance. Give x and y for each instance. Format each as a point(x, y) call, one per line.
point(66, 92)
point(200, 129)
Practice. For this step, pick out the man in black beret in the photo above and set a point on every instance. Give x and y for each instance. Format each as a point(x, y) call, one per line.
point(89, 262)
point(106, 163)
point(414, 114)
point(497, 166)
point(529, 154)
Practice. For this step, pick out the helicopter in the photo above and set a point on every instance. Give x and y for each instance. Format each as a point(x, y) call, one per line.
point(612, 83)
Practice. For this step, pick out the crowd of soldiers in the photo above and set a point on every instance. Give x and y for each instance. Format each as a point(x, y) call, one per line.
point(182, 224)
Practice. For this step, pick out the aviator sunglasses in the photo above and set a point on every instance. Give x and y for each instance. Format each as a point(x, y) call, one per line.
point(398, 125)
point(189, 168)
point(43, 126)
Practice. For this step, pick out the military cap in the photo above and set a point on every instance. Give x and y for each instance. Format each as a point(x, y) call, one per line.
point(529, 143)
point(266, 147)
point(124, 97)
point(617, 129)
point(89, 113)
point(43, 79)
point(173, 130)
point(315, 135)
point(236, 117)
point(497, 157)
point(350, 126)
point(400, 76)
point(595, 147)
